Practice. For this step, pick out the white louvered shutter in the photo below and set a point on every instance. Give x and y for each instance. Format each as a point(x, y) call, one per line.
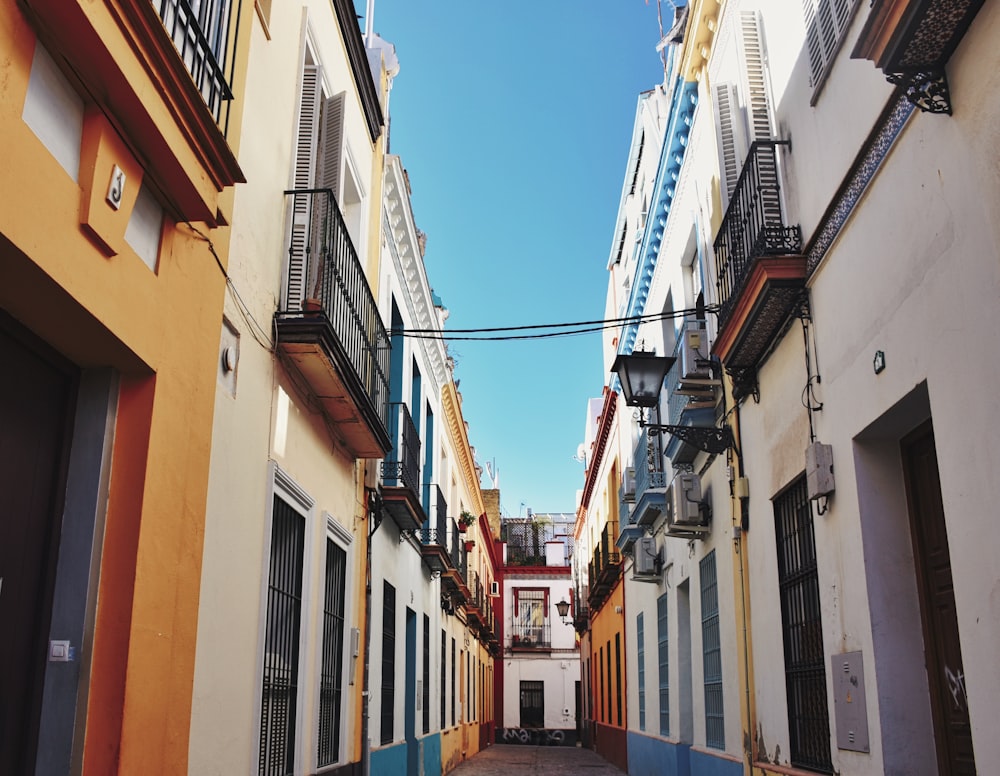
point(755, 89)
point(305, 171)
point(731, 136)
point(826, 21)
point(331, 145)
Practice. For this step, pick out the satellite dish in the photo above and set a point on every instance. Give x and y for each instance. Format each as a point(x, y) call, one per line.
point(581, 453)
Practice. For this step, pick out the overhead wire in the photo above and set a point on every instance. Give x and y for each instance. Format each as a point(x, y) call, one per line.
point(569, 329)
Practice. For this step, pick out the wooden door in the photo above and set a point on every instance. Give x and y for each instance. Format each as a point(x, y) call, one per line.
point(942, 647)
point(35, 399)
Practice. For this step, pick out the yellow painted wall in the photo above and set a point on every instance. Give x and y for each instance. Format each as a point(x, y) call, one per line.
point(83, 289)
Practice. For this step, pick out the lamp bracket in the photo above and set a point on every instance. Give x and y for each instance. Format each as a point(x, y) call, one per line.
point(712, 440)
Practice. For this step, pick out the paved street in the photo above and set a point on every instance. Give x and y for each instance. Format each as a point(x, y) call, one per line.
point(512, 760)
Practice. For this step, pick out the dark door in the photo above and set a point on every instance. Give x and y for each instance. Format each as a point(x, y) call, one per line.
point(35, 398)
point(410, 714)
point(943, 650)
point(532, 704)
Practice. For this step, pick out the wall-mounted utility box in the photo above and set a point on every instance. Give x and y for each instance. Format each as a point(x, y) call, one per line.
point(849, 701)
point(819, 470)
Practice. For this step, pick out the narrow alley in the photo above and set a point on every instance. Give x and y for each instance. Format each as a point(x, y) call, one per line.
point(514, 760)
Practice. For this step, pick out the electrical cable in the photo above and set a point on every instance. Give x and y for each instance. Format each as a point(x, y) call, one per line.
point(573, 328)
point(256, 330)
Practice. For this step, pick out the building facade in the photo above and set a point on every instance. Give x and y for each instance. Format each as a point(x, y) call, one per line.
point(793, 489)
point(539, 685)
point(121, 127)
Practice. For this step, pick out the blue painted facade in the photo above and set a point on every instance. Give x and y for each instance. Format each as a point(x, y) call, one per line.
point(649, 756)
point(392, 760)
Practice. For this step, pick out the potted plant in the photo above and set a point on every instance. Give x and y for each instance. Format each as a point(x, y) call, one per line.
point(465, 520)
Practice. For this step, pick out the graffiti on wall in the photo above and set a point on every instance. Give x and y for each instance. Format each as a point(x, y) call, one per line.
point(534, 736)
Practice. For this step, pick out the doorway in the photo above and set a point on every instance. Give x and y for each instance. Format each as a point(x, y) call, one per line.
point(945, 673)
point(36, 406)
point(532, 704)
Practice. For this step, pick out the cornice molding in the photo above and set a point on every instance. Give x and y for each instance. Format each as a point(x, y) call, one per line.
point(401, 234)
point(452, 408)
point(604, 424)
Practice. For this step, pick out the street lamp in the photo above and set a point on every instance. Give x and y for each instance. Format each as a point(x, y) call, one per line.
point(641, 376)
point(563, 608)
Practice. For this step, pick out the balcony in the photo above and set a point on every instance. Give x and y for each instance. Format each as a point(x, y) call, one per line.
point(401, 472)
point(476, 602)
point(650, 481)
point(691, 391)
point(911, 41)
point(606, 565)
point(453, 578)
point(200, 37)
point(330, 331)
point(434, 532)
point(760, 269)
point(525, 636)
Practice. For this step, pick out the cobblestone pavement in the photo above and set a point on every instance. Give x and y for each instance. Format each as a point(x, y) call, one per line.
point(513, 760)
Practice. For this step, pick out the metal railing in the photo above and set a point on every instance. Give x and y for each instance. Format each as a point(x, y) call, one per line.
point(647, 459)
point(401, 468)
point(435, 528)
point(752, 226)
point(525, 636)
point(201, 36)
point(324, 272)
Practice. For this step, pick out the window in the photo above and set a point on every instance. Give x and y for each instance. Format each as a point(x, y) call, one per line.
point(427, 675)
point(599, 668)
point(388, 662)
point(663, 657)
point(531, 625)
point(279, 692)
point(444, 677)
point(453, 682)
point(715, 733)
point(640, 642)
point(618, 678)
point(608, 668)
point(802, 628)
point(331, 671)
point(826, 21)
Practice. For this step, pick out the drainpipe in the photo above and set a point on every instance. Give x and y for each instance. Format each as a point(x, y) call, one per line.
point(740, 545)
point(371, 504)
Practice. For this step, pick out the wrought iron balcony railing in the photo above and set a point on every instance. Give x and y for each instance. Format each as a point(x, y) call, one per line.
point(530, 636)
point(401, 467)
point(648, 461)
point(752, 226)
point(201, 32)
point(435, 528)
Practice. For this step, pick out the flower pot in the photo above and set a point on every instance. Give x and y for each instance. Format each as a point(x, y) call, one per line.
point(312, 305)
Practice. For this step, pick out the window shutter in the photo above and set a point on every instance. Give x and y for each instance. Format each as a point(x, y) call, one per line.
point(305, 164)
point(731, 136)
point(330, 145)
point(755, 80)
point(813, 45)
point(826, 21)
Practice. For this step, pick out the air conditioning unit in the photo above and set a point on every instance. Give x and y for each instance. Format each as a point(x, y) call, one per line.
point(494, 588)
point(694, 352)
point(628, 485)
point(686, 511)
point(648, 561)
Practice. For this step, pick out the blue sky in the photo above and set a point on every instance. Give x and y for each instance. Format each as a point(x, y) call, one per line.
point(513, 121)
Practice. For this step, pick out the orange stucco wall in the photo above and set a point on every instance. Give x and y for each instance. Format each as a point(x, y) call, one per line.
point(608, 622)
point(161, 332)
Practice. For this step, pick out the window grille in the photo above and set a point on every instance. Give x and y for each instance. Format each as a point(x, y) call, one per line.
point(331, 671)
point(279, 693)
point(715, 729)
point(532, 704)
point(663, 655)
point(641, 657)
point(802, 627)
point(388, 662)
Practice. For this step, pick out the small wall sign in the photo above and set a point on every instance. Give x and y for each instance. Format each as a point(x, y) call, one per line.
point(879, 362)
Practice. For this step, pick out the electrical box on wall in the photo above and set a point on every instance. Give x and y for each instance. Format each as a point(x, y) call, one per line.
point(849, 701)
point(819, 470)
